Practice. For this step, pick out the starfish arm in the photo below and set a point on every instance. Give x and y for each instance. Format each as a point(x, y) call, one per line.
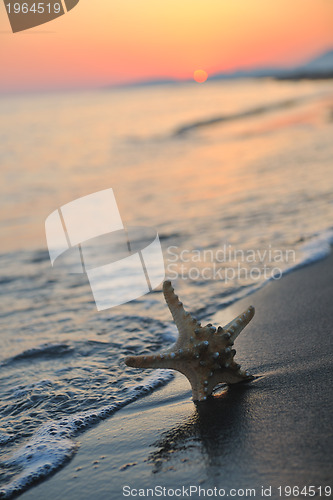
point(169, 359)
point(162, 360)
point(185, 323)
point(238, 324)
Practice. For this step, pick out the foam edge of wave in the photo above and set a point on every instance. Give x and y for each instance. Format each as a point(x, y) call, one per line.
point(51, 445)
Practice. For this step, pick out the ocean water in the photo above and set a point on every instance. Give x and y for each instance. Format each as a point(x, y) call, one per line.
point(237, 179)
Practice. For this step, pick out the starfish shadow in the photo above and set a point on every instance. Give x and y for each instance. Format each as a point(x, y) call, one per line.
point(207, 435)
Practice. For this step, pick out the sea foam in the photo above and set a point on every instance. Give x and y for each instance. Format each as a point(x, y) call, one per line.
point(51, 445)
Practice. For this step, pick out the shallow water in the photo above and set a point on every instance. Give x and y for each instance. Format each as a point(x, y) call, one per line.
point(234, 179)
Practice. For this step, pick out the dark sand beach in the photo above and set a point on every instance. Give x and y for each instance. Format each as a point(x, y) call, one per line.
point(275, 431)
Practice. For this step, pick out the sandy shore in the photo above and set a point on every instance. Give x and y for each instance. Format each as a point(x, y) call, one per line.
point(276, 431)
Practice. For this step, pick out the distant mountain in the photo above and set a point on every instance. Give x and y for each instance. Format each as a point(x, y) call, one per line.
point(319, 67)
point(316, 68)
point(145, 83)
point(142, 83)
point(323, 62)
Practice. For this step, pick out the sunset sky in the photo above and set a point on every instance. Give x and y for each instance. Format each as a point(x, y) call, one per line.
point(114, 41)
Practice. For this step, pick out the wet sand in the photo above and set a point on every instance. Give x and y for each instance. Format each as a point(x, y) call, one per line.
point(275, 431)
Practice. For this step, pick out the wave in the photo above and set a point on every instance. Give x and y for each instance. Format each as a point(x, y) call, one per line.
point(51, 445)
point(313, 250)
point(260, 110)
point(44, 350)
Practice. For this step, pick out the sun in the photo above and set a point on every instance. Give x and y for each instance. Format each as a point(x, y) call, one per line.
point(200, 75)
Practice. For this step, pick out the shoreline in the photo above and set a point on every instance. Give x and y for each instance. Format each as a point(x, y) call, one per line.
point(266, 433)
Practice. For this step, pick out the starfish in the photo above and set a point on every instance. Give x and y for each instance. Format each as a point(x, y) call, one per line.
point(203, 354)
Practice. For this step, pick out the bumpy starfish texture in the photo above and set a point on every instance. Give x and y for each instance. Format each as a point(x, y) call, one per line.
point(203, 354)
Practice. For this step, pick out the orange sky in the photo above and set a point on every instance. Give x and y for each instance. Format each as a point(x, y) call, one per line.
point(103, 42)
